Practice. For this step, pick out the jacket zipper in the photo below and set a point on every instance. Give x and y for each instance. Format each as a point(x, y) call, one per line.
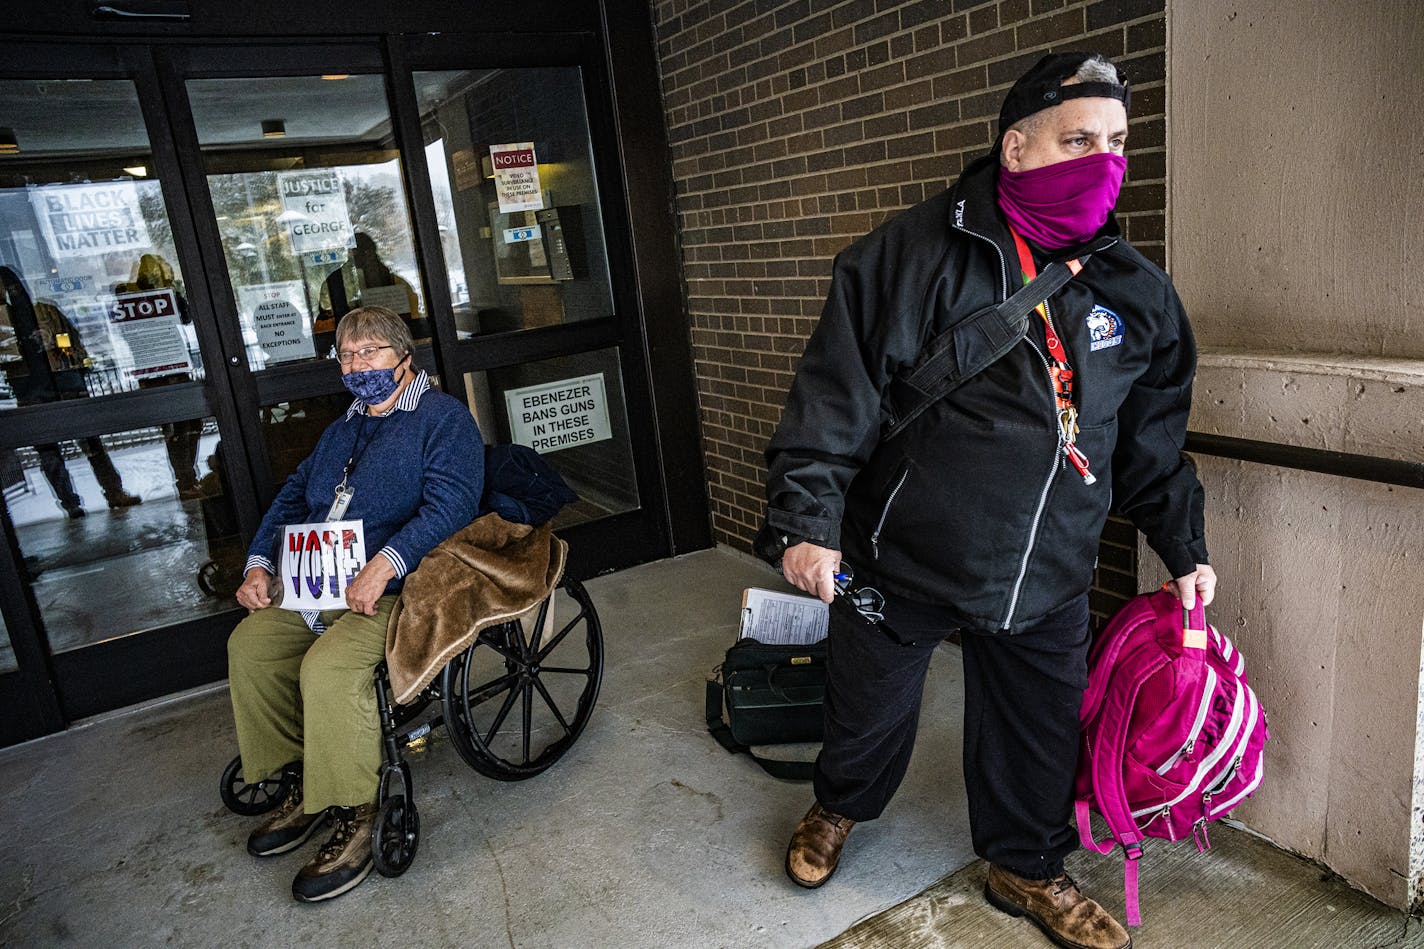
point(1057, 449)
point(875, 537)
point(1042, 503)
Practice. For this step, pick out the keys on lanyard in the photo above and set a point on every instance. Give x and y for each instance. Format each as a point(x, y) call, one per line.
point(1060, 372)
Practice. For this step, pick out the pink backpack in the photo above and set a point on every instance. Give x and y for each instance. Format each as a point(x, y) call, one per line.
point(1172, 733)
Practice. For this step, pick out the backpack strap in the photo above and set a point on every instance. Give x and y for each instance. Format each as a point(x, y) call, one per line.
point(776, 767)
point(1108, 789)
point(970, 346)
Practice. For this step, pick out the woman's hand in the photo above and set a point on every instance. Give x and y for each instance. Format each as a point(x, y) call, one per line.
point(370, 585)
point(253, 592)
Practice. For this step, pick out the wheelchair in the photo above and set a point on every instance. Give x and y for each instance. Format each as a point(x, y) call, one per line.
point(512, 704)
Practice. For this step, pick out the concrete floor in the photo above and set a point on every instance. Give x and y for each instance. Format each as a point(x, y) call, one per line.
point(647, 834)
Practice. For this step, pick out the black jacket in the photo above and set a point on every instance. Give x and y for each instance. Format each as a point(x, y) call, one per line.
point(973, 507)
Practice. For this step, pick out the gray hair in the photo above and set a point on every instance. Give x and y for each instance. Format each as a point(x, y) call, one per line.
point(1096, 68)
point(375, 322)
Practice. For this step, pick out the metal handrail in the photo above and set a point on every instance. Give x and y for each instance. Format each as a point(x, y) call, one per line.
point(1409, 474)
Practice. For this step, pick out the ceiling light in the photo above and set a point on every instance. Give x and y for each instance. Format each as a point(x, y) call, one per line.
point(273, 128)
point(9, 145)
point(336, 75)
point(137, 171)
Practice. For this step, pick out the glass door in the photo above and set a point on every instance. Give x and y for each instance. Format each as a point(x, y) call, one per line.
point(118, 511)
point(532, 249)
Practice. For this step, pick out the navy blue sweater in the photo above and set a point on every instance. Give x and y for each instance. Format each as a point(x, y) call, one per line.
point(417, 481)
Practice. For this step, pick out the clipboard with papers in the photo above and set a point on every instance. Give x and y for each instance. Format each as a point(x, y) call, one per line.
point(783, 618)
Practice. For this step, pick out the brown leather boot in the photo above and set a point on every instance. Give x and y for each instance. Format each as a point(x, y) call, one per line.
point(1066, 916)
point(343, 861)
point(815, 849)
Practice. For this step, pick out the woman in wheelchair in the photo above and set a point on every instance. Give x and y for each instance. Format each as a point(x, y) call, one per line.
point(408, 461)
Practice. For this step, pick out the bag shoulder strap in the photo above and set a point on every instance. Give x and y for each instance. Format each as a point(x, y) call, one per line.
point(969, 347)
point(777, 768)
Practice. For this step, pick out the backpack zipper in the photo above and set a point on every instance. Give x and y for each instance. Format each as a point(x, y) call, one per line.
point(1203, 707)
point(885, 512)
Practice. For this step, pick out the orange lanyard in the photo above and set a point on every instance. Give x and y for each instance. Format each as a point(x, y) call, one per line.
point(1060, 371)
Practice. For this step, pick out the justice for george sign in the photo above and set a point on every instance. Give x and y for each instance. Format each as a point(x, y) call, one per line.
point(319, 561)
point(314, 209)
point(559, 415)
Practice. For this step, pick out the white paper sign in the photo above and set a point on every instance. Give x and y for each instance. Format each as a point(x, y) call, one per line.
point(559, 415)
point(277, 312)
point(394, 298)
point(319, 561)
point(147, 323)
point(89, 220)
point(314, 209)
point(516, 177)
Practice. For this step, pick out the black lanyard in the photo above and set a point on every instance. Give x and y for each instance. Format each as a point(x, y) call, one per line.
point(358, 449)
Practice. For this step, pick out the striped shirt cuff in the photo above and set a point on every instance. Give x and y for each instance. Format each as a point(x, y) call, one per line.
point(396, 560)
point(257, 560)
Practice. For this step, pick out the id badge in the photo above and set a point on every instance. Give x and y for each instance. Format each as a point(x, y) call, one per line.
point(342, 502)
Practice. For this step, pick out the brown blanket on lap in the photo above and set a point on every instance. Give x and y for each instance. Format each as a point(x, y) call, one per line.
point(484, 574)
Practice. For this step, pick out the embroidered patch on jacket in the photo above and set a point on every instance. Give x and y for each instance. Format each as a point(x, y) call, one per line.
point(1104, 329)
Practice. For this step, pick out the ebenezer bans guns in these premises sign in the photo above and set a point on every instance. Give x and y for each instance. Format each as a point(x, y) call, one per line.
point(558, 415)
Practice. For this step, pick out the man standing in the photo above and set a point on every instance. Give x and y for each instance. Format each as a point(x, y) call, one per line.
point(982, 512)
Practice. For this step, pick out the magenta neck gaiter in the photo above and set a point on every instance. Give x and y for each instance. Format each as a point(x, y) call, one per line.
point(1063, 204)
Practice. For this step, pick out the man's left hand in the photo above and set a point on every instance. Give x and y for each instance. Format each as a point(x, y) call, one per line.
point(369, 585)
point(1202, 583)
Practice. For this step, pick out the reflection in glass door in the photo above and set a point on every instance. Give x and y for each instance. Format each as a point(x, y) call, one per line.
point(121, 527)
point(308, 192)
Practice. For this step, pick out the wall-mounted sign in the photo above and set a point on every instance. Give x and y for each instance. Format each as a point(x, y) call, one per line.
point(147, 324)
point(89, 220)
point(559, 415)
point(516, 177)
point(467, 169)
point(314, 209)
point(277, 313)
point(319, 561)
point(513, 235)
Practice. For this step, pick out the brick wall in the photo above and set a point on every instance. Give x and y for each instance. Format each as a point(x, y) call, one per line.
point(796, 127)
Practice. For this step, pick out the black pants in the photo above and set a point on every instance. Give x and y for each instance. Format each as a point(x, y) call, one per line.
point(1022, 694)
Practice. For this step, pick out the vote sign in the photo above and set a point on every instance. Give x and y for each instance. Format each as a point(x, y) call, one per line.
point(319, 561)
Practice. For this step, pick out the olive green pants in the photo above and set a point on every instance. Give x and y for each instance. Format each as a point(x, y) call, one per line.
point(297, 696)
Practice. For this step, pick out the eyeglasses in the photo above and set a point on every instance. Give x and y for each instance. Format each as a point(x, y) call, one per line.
point(365, 352)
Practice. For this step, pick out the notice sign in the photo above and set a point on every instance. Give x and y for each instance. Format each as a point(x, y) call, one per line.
point(559, 414)
point(516, 177)
point(148, 326)
point(277, 313)
point(314, 209)
point(319, 561)
point(88, 220)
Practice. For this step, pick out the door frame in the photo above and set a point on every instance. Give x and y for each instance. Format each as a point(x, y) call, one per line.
point(614, 51)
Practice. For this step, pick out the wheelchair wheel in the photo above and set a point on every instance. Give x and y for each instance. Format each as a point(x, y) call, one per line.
point(518, 698)
point(252, 799)
point(395, 837)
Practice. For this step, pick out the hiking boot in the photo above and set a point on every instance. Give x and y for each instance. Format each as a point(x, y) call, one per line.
point(815, 849)
point(343, 861)
point(120, 498)
point(1056, 906)
point(288, 827)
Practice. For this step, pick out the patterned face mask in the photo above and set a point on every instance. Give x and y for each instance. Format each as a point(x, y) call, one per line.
point(372, 386)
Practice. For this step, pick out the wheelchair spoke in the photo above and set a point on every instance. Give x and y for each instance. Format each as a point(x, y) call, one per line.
point(503, 712)
point(553, 643)
point(539, 624)
point(490, 689)
point(577, 672)
point(528, 717)
point(549, 701)
point(504, 649)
